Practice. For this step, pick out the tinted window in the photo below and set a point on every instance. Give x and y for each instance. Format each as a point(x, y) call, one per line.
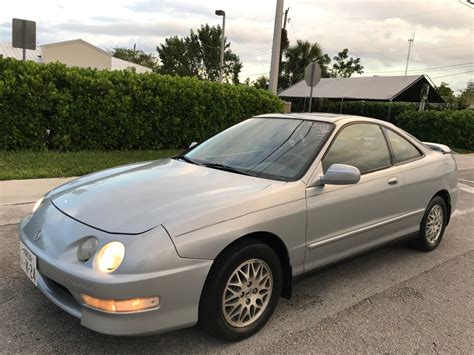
point(267, 147)
point(359, 145)
point(402, 149)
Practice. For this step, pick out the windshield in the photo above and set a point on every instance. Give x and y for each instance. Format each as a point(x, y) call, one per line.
point(274, 148)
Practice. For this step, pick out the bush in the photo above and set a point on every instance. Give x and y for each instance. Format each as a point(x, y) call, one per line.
point(454, 128)
point(92, 109)
point(379, 110)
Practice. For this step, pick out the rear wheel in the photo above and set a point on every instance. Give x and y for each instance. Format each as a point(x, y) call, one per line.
point(241, 292)
point(432, 225)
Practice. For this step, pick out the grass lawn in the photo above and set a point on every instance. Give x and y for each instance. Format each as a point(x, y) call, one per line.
point(462, 151)
point(29, 165)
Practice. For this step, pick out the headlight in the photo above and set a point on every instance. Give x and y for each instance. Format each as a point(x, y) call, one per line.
point(37, 204)
point(110, 256)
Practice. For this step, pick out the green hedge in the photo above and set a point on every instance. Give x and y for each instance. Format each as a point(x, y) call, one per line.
point(454, 128)
point(92, 109)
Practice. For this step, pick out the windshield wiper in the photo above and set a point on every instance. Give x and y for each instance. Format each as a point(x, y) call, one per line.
point(227, 168)
point(186, 159)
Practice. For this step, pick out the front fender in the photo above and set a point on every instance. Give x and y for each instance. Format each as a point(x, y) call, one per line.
point(287, 221)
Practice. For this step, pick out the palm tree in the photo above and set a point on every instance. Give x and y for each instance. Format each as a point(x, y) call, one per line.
point(299, 56)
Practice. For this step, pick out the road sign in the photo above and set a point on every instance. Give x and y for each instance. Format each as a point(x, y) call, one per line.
point(23, 35)
point(312, 75)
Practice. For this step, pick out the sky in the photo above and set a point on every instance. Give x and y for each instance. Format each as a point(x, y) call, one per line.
point(376, 31)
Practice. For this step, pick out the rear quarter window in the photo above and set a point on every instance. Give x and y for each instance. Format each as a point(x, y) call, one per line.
point(402, 149)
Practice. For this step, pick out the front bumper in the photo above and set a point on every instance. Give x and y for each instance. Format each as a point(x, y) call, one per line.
point(62, 278)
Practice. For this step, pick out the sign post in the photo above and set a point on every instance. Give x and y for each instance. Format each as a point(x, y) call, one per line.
point(23, 35)
point(312, 76)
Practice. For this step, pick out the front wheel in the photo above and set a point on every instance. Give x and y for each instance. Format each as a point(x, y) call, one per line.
point(432, 225)
point(241, 292)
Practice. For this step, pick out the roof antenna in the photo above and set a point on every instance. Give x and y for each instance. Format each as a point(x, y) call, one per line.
point(410, 44)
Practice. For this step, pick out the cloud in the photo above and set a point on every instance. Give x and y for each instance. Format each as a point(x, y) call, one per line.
point(144, 29)
point(172, 7)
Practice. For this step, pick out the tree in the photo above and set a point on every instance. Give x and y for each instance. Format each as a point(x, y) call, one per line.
point(447, 93)
point(344, 67)
point(467, 96)
point(299, 56)
point(136, 56)
point(199, 55)
point(262, 82)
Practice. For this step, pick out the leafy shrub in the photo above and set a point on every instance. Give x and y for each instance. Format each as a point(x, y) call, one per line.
point(454, 128)
point(92, 109)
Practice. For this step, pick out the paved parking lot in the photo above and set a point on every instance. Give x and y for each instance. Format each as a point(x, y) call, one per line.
point(393, 299)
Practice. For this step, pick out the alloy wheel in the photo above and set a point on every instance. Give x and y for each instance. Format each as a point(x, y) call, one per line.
point(247, 293)
point(434, 224)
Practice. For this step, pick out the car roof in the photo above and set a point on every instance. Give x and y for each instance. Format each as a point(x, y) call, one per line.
point(320, 116)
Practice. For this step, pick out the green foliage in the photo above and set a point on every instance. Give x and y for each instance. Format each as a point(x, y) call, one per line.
point(454, 128)
point(262, 82)
point(467, 96)
point(344, 66)
point(380, 110)
point(92, 109)
point(198, 55)
point(298, 57)
point(447, 94)
point(136, 56)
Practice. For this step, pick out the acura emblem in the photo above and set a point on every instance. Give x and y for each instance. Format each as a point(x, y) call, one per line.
point(37, 236)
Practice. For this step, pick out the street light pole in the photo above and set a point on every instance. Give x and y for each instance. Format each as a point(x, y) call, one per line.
point(274, 68)
point(221, 65)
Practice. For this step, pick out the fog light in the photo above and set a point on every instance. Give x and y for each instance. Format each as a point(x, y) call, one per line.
point(87, 248)
point(122, 306)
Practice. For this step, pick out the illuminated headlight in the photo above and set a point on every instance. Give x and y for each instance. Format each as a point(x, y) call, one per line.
point(87, 248)
point(122, 306)
point(110, 256)
point(37, 204)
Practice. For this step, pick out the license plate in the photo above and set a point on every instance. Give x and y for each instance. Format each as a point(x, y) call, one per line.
point(28, 263)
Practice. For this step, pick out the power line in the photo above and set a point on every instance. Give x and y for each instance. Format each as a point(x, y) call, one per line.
point(414, 50)
point(265, 73)
point(389, 17)
point(374, 52)
point(445, 67)
point(444, 76)
point(293, 29)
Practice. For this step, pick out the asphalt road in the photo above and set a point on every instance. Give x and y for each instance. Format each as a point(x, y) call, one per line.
point(394, 300)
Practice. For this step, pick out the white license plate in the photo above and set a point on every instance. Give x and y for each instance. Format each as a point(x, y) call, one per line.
point(28, 263)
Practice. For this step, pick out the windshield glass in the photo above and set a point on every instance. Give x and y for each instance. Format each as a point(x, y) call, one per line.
point(275, 148)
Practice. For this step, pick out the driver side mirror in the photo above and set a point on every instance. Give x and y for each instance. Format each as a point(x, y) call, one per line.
point(339, 174)
point(192, 144)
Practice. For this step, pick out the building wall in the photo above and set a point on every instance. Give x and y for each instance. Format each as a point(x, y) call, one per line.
point(76, 54)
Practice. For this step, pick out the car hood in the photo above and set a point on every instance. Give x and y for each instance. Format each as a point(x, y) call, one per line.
point(181, 196)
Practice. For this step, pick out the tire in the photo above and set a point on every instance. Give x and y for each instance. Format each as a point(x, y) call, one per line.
point(427, 239)
point(219, 312)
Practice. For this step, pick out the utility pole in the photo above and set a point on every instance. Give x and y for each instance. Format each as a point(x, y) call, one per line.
point(274, 68)
point(410, 44)
point(284, 29)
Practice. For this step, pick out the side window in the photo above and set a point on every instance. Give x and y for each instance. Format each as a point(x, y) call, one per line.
point(402, 149)
point(361, 145)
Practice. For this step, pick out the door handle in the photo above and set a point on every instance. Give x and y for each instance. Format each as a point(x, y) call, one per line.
point(392, 181)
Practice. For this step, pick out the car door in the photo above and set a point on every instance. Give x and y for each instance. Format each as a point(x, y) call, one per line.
point(343, 220)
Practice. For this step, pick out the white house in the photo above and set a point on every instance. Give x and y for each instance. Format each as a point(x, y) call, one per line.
point(74, 53)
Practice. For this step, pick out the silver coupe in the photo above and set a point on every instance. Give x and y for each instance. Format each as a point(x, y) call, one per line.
point(217, 235)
